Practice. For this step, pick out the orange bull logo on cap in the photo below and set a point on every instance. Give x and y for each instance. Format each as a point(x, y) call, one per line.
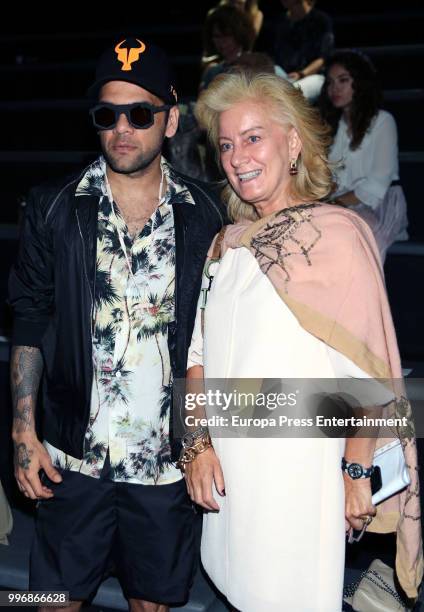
point(129, 56)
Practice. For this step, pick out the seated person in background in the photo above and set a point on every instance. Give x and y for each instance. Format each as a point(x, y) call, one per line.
point(255, 62)
point(364, 147)
point(303, 39)
point(252, 10)
point(211, 55)
point(189, 151)
point(228, 31)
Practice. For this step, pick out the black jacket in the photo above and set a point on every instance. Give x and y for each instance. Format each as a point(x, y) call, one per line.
point(51, 292)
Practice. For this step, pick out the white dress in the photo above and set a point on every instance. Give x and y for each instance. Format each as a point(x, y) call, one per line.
point(278, 542)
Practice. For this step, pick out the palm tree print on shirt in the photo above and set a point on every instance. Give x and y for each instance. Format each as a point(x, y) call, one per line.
point(133, 306)
point(150, 320)
point(154, 453)
point(138, 305)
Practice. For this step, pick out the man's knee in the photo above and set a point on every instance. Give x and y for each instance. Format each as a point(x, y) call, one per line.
point(139, 605)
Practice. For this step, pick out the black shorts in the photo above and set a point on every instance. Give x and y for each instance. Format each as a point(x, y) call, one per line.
point(146, 531)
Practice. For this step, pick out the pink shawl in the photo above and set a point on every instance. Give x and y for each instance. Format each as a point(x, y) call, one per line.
point(323, 262)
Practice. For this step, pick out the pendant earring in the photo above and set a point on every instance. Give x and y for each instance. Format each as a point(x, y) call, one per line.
point(293, 167)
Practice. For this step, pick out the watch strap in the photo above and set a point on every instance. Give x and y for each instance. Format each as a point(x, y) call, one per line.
point(355, 470)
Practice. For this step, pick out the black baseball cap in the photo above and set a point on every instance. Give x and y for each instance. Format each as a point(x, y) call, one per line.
point(136, 61)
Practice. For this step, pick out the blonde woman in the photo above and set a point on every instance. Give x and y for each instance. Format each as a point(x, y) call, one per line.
point(298, 293)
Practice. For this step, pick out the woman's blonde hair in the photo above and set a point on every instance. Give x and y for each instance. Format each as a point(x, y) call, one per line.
point(288, 107)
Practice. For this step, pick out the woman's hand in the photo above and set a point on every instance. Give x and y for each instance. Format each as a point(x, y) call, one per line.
point(204, 471)
point(357, 501)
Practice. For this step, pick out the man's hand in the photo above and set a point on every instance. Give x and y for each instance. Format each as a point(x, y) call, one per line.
point(26, 368)
point(357, 501)
point(30, 458)
point(200, 475)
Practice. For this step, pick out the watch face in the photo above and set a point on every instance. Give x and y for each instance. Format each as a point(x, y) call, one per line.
point(355, 470)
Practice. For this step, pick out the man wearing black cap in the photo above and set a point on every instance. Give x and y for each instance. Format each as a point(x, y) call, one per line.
point(104, 294)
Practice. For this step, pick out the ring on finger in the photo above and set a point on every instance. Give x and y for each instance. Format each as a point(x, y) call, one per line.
point(367, 519)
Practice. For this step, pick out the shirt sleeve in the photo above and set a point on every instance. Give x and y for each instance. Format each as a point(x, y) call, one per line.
point(321, 43)
point(327, 39)
point(327, 44)
point(372, 188)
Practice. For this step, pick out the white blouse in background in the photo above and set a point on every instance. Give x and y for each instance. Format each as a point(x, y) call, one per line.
point(369, 170)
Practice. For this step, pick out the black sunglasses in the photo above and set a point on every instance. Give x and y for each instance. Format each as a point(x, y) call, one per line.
point(140, 115)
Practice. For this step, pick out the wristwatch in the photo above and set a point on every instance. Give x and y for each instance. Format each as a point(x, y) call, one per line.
point(356, 470)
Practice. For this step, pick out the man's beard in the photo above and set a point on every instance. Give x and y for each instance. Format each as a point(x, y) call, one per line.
point(141, 162)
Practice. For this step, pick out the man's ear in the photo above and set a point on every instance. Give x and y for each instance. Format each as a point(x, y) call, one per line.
point(172, 124)
point(295, 144)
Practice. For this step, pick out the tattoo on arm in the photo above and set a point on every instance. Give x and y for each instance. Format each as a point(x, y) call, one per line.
point(25, 374)
point(23, 455)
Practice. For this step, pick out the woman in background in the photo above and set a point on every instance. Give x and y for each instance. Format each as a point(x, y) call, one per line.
point(252, 10)
point(229, 31)
point(211, 54)
point(364, 148)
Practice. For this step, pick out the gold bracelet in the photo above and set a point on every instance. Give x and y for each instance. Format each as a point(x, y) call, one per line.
point(189, 454)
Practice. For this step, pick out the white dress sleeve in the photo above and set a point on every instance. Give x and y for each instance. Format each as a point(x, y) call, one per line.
point(368, 391)
point(195, 352)
point(381, 165)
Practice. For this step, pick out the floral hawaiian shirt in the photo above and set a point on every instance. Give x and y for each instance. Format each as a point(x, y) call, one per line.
point(133, 304)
